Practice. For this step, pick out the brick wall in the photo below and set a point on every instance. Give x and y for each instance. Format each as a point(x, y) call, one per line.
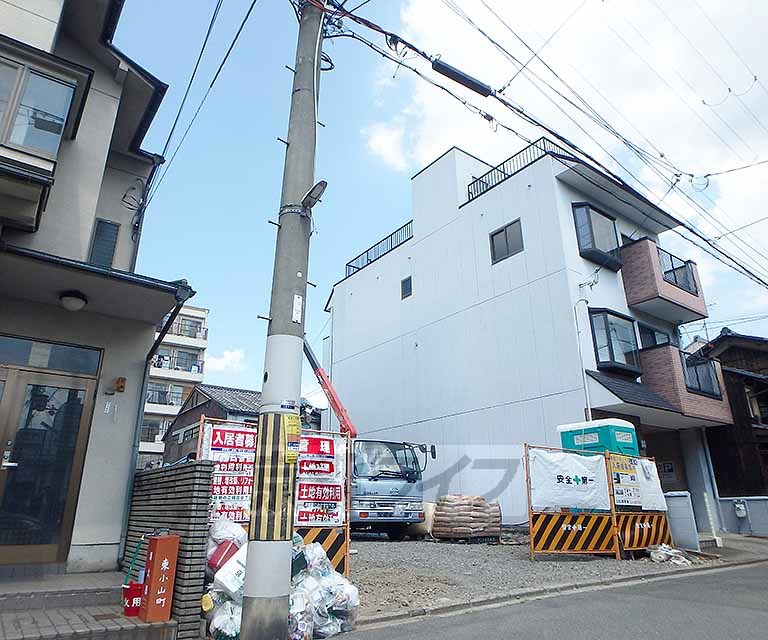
point(175, 498)
point(663, 373)
point(643, 278)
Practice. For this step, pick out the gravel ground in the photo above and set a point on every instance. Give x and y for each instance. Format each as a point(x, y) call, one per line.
point(394, 577)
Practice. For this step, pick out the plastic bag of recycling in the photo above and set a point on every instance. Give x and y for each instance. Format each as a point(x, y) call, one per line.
point(317, 560)
point(331, 627)
point(300, 616)
point(222, 530)
point(665, 553)
point(231, 577)
point(225, 622)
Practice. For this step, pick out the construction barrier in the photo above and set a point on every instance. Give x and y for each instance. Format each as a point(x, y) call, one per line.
point(642, 530)
point(573, 533)
point(582, 505)
point(335, 542)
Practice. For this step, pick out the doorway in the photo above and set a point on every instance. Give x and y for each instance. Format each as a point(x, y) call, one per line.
point(44, 426)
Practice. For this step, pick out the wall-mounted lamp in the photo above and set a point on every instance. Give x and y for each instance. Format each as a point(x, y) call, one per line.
point(73, 300)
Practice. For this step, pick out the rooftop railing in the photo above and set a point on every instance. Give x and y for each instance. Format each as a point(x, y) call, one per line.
point(382, 247)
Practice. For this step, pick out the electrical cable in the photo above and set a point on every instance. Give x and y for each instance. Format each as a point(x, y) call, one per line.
point(717, 253)
point(202, 101)
point(709, 64)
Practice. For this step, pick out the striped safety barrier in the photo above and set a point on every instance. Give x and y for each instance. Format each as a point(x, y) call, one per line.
point(641, 530)
point(333, 540)
point(573, 533)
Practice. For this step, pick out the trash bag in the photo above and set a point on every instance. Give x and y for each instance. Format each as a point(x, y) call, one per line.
point(300, 618)
point(222, 530)
point(665, 553)
point(225, 622)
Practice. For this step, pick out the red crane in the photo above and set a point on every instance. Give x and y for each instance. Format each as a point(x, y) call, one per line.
point(333, 399)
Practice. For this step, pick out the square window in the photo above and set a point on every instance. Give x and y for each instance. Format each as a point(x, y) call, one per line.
point(506, 242)
point(615, 342)
point(42, 114)
point(104, 243)
point(406, 288)
point(597, 237)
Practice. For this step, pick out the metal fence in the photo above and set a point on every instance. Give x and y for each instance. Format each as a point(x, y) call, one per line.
point(382, 247)
point(677, 271)
point(513, 165)
point(172, 398)
point(178, 363)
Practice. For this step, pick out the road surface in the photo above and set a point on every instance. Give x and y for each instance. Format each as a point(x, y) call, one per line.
point(727, 604)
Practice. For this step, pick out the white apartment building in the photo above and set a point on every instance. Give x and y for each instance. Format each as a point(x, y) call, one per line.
point(177, 366)
point(468, 327)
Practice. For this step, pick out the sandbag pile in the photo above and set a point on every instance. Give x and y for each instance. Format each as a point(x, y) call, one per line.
point(465, 517)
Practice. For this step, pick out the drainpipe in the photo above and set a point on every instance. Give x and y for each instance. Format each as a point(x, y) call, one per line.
point(183, 293)
point(140, 212)
point(584, 379)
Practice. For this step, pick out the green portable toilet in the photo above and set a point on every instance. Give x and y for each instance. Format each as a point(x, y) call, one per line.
point(611, 434)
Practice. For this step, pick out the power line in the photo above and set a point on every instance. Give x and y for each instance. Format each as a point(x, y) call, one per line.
point(204, 98)
point(710, 65)
point(749, 224)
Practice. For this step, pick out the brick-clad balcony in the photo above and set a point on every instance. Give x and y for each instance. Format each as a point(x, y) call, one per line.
point(693, 385)
point(661, 284)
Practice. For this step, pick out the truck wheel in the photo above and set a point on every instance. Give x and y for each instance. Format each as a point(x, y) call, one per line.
point(396, 533)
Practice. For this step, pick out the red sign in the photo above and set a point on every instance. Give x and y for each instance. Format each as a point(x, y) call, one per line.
point(316, 467)
point(224, 466)
point(233, 481)
point(314, 446)
point(228, 438)
point(312, 492)
point(234, 512)
point(318, 516)
point(157, 596)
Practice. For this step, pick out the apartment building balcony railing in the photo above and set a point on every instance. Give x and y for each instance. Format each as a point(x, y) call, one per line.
point(178, 363)
point(692, 384)
point(661, 284)
point(381, 248)
point(181, 328)
point(514, 164)
point(170, 398)
point(678, 272)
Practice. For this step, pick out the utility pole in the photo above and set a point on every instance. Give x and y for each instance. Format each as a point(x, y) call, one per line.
point(268, 569)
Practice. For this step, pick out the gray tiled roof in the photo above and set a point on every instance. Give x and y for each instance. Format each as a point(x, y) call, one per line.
point(234, 400)
point(631, 391)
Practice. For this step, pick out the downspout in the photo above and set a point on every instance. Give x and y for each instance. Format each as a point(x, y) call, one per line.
point(183, 293)
point(584, 379)
point(138, 224)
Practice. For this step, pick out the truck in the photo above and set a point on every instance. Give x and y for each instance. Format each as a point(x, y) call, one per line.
point(385, 485)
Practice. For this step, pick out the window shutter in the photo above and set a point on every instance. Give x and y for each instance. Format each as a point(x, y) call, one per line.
point(104, 243)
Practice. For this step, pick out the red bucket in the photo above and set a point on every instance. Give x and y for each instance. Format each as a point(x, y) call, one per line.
point(132, 598)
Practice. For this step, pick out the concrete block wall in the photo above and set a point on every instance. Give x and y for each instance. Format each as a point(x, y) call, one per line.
point(644, 280)
point(663, 373)
point(175, 498)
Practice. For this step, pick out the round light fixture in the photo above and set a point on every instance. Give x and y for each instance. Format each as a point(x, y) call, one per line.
point(73, 300)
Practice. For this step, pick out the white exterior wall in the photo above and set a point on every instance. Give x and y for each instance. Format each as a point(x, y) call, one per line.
point(34, 22)
point(482, 358)
point(106, 475)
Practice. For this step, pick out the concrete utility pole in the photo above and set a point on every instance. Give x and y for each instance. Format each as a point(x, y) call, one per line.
point(268, 569)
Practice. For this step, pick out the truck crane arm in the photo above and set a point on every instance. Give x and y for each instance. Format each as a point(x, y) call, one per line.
point(333, 399)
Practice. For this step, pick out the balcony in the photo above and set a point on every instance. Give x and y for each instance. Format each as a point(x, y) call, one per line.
point(164, 403)
point(661, 284)
point(381, 248)
point(185, 329)
point(691, 384)
point(177, 368)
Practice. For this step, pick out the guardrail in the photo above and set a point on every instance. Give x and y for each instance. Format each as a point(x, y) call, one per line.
point(382, 247)
point(678, 272)
point(177, 364)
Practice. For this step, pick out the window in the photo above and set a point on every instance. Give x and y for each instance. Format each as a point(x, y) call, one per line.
point(406, 288)
point(157, 393)
point(625, 239)
point(8, 79)
point(41, 114)
point(677, 271)
point(596, 235)
point(190, 327)
point(104, 243)
point(506, 242)
point(187, 361)
point(650, 337)
point(150, 429)
point(700, 375)
point(49, 355)
point(615, 341)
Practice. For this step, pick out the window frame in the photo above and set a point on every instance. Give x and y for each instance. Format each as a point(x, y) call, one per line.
point(503, 228)
point(403, 294)
point(24, 70)
point(608, 259)
point(93, 241)
point(641, 326)
point(718, 394)
point(613, 364)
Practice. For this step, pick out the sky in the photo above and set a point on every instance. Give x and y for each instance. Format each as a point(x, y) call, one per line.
point(676, 78)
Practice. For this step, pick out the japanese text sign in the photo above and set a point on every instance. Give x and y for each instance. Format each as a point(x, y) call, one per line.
point(157, 594)
point(562, 480)
point(626, 484)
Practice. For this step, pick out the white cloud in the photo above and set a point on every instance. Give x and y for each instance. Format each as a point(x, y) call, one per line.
point(231, 361)
point(630, 63)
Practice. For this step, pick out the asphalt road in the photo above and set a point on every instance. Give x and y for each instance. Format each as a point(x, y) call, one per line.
point(727, 604)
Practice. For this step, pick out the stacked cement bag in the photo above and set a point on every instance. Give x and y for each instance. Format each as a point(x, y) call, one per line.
point(466, 517)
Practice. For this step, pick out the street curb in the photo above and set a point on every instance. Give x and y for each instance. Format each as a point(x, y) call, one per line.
point(543, 591)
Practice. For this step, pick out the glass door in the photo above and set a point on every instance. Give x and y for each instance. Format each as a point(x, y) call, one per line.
point(44, 425)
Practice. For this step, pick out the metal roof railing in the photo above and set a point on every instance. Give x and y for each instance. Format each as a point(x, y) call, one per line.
point(382, 247)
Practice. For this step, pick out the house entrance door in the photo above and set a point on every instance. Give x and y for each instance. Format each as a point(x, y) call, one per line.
point(44, 425)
